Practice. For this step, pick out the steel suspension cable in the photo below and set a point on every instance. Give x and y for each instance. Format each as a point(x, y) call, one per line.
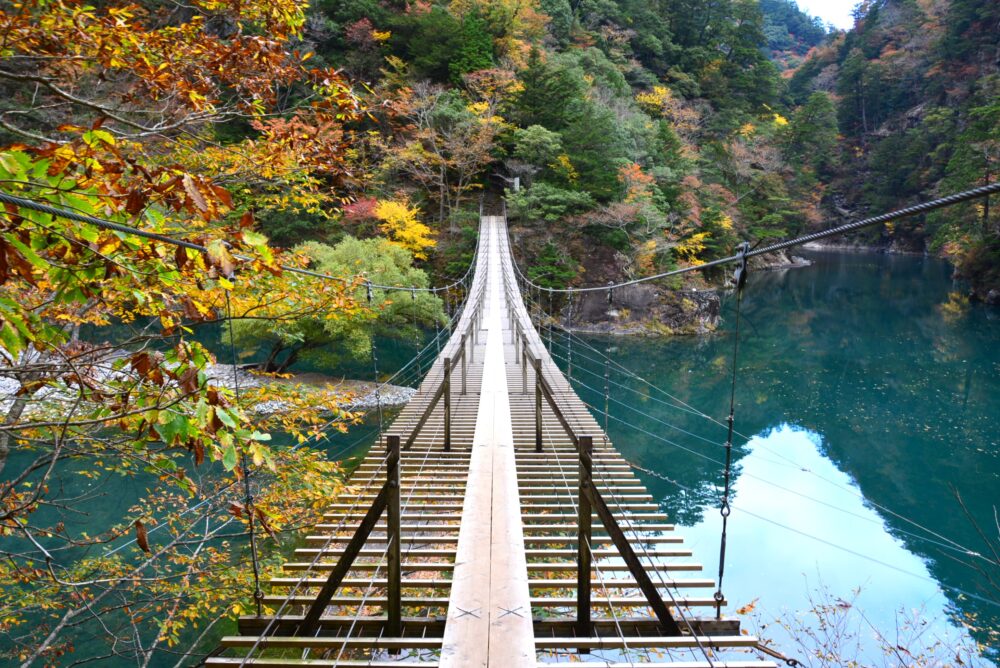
point(923, 207)
point(593, 557)
point(956, 547)
point(312, 565)
point(724, 509)
point(51, 210)
point(248, 501)
point(838, 546)
point(579, 429)
point(947, 543)
point(375, 572)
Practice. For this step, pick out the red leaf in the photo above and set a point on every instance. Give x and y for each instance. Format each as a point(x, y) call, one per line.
point(236, 509)
point(135, 202)
point(194, 194)
point(223, 196)
point(180, 256)
point(140, 536)
point(264, 523)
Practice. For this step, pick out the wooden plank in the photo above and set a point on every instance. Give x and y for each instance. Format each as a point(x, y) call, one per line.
point(489, 619)
point(671, 642)
point(489, 518)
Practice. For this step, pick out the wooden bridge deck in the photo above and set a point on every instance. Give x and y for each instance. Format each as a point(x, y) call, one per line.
point(488, 556)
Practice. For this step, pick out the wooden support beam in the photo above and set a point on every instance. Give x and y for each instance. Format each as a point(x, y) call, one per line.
point(635, 567)
point(353, 549)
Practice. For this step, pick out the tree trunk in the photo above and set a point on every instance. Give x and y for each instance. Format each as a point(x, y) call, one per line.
point(268, 365)
point(292, 358)
point(13, 414)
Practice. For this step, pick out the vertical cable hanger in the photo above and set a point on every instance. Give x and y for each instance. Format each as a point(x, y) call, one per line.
point(416, 326)
point(378, 389)
point(569, 339)
point(258, 595)
point(607, 386)
point(740, 278)
point(550, 311)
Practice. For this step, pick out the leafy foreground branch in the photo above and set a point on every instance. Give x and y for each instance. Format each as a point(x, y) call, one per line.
point(124, 518)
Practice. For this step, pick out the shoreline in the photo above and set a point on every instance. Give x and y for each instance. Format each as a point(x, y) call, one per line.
point(362, 399)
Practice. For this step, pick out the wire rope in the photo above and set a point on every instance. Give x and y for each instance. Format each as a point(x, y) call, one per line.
point(42, 207)
point(923, 207)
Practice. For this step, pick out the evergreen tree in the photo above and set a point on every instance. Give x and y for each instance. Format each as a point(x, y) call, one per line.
point(551, 95)
point(811, 136)
point(474, 50)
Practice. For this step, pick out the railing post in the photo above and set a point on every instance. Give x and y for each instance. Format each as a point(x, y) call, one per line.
point(517, 345)
point(524, 366)
point(463, 363)
point(537, 362)
point(447, 404)
point(583, 554)
point(472, 349)
point(394, 608)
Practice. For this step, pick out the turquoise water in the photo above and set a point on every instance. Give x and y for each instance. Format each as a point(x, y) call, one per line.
point(866, 395)
point(867, 400)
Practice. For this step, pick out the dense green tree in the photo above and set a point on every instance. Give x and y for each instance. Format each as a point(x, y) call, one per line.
point(537, 146)
point(551, 93)
point(430, 41)
point(333, 340)
point(475, 48)
point(546, 202)
point(596, 149)
point(811, 136)
point(976, 159)
point(788, 28)
point(552, 268)
point(561, 19)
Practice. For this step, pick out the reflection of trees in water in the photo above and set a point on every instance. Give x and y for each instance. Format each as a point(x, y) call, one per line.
point(871, 352)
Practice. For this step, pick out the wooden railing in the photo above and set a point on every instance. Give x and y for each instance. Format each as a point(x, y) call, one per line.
point(589, 499)
point(387, 500)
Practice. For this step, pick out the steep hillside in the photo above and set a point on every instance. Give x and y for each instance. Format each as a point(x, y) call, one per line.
point(917, 85)
point(651, 130)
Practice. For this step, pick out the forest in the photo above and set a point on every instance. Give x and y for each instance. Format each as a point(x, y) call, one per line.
point(359, 139)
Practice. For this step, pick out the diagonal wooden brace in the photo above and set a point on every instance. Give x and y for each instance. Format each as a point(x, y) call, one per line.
point(310, 624)
point(649, 590)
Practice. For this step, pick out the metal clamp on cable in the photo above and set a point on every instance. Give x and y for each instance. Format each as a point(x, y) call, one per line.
point(740, 275)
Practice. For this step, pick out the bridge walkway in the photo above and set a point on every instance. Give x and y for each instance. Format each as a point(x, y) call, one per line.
point(488, 557)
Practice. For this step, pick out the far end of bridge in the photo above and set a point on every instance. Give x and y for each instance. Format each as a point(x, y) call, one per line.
point(493, 524)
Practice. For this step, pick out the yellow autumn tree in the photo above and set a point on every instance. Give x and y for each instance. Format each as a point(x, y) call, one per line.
point(401, 223)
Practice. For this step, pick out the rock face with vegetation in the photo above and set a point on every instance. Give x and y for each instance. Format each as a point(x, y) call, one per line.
point(918, 111)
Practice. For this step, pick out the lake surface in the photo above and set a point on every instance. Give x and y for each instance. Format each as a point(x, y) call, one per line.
point(867, 402)
point(867, 394)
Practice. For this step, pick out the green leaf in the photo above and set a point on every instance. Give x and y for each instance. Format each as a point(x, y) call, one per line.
point(229, 457)
point(226, 418)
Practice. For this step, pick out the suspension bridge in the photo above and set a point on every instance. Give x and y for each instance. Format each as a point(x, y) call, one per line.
point(492, 524)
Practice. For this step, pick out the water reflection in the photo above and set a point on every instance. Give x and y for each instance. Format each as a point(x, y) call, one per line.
point(814, 532)
point(893, 382)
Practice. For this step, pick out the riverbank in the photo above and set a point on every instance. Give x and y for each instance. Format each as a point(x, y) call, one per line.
point(357, 396)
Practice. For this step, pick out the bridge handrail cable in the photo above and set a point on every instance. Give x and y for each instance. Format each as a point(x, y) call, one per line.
point(923, 207)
